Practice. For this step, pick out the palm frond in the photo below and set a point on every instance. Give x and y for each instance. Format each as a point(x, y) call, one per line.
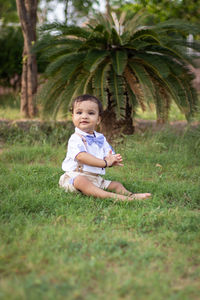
point(49, 96)
point(104, 20)
point(116, 87)
point(71, 61)
point(192, 95)
point(135, 87)
point(133, 24)
point(177, 25)
point(178, 92)
point(93, 59)
point(182, 54)
point(162, 103)
point(119, 61)
point(145, 34)
point(69, 93)
point(63, 29)
point(100, 82)
point(125, 38)
point(144, 80)
point(191, 45)
point(81, 82)
point(48, 41)
point(51, 54)
point(115, 38)
point(156, 62)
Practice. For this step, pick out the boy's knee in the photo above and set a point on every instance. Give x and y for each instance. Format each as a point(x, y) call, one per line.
point(118, 184)
point(115, 185)
point(79, 182)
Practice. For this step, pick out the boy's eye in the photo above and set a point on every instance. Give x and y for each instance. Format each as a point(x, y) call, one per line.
point(91, 113)
point(78, 112)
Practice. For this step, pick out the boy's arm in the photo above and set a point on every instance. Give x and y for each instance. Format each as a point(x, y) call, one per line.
point(90, 160)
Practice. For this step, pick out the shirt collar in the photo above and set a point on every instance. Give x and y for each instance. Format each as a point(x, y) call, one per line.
point(77, 130)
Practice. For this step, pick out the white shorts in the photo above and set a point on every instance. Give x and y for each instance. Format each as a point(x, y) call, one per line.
point(67, 181)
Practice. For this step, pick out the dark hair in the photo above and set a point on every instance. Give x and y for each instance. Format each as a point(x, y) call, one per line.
point(87, 97)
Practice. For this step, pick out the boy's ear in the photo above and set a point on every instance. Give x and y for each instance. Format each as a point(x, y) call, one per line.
point(99, 120)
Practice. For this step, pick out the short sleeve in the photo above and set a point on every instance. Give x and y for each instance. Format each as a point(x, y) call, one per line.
point(75, 146)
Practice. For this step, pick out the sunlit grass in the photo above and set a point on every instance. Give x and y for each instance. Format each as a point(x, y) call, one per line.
point(150, 113)
point(56, 245)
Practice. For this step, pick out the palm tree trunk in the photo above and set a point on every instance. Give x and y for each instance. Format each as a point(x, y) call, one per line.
point(110, 126)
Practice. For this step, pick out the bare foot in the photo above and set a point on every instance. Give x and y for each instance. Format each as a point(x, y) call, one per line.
point(132, 197)
point(141, 196)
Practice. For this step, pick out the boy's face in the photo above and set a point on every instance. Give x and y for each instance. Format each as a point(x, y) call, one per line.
point(86, 116)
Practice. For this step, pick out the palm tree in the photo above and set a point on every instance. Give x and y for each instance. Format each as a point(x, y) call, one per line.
point(121, 62)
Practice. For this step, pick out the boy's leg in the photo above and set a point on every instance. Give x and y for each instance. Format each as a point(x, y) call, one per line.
point(117, 187)
point(84, 185)
point(120, 189)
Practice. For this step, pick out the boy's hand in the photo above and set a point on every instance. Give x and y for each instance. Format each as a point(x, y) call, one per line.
point(114, 159)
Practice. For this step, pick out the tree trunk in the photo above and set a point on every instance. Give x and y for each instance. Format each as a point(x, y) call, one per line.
point(66, 11)
point(107, 7)
point(110, 126)
point(27, 10)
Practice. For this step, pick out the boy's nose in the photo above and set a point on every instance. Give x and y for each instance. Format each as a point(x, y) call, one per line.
point(84, 116)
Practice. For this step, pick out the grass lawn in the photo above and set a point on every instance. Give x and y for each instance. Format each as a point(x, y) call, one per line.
point(55, 245)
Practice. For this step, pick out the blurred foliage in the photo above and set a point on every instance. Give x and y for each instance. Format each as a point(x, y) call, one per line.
point(160, 11)
point(11, 47)
point(31, 132)
point(8, 12)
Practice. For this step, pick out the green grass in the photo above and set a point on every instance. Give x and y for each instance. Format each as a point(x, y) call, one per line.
point(55, 245)
point(150, 113)
point(10, 107)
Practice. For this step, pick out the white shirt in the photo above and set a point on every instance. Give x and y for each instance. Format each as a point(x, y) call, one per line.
point(76, 145)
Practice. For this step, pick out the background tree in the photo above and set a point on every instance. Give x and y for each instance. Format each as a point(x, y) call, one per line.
point(8, 12)
point(164, 10)
point(27, 11)
point(11, 46)
point(123, 63)
point(78, 9)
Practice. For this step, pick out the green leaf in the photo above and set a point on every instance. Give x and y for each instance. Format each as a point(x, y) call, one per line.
point(156, 62)
point(116, 86)
point(119, 61)
point(70, 61)
point(100, 82)
point(63, 29)
point(145, 33)
point(115, 38)
point(145, 80)
point(184, 94)
point(93, 59)
point(177, 25)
